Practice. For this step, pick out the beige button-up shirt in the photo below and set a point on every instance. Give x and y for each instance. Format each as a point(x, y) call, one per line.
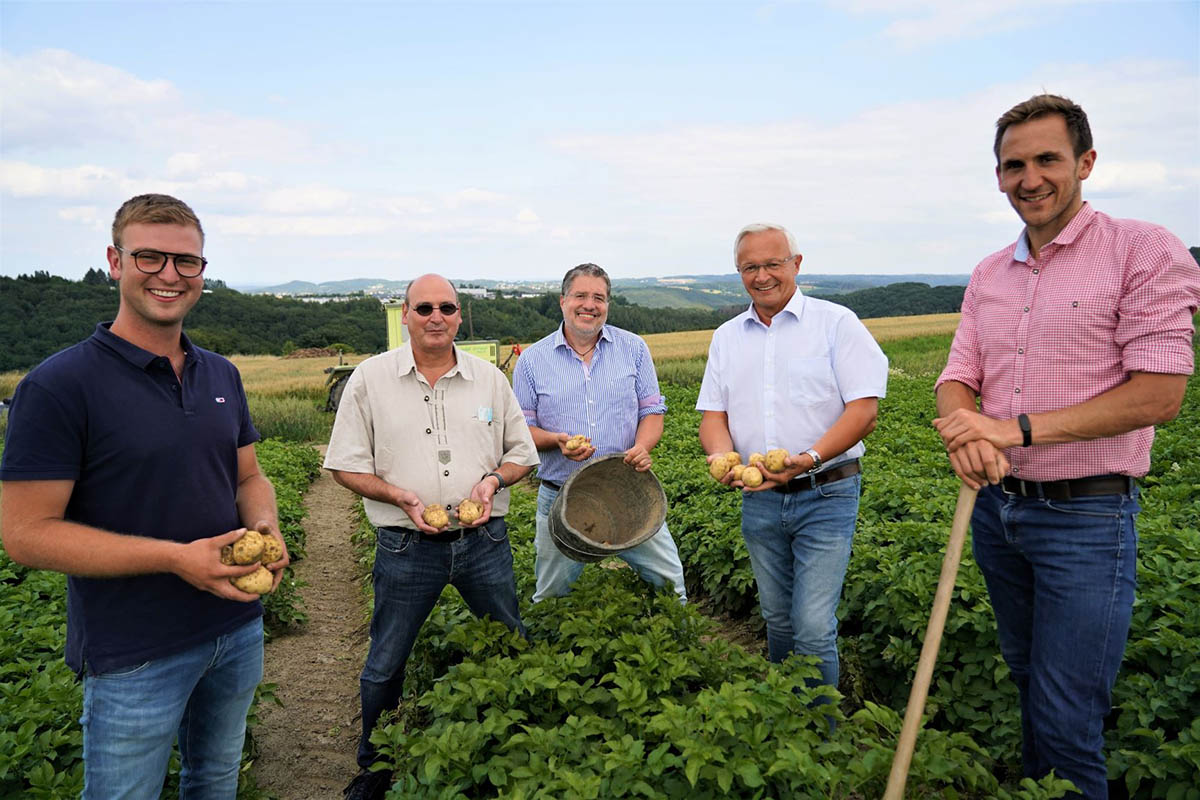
point(438, 441)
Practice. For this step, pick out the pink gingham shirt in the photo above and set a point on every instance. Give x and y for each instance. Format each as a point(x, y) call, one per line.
point(1105, 298)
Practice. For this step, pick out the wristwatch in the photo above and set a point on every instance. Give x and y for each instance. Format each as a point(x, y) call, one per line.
point(1026, 430)
point(499, 479)
point(816, 458)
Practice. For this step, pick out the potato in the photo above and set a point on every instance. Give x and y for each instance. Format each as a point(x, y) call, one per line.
point(469, 510)
point(775, 459)
point(752, 477)
point(435, 517)
point(718, 468)
point(248, 549)
point(738, 470)
point(272, 550)
point(755, 458)
point(257, 582)
point(227, 555)
point(578, 442)
point(733, 458)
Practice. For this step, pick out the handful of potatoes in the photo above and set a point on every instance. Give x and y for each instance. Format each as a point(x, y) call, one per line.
point(469, 510)
point(254, 547)
point(750, 475)
point(577, 442)
point(435, 517)
point(732, 462)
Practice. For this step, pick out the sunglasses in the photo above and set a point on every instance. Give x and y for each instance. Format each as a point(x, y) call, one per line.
point(425, 309)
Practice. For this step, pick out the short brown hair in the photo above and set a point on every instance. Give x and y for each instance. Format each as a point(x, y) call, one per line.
point(1041, 104)
point(154, 209)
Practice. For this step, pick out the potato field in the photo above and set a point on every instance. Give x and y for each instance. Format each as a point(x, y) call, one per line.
point(621, 692)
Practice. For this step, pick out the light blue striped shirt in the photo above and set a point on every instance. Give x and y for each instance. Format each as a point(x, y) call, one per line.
point(604, 401)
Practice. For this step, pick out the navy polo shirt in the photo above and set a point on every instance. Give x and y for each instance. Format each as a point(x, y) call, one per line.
point(149, 456)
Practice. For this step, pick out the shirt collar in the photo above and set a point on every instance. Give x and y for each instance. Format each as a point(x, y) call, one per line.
point(137, 356)
point(405, 363)
point(559, 339)
point(1083, 217)
point(795, 307)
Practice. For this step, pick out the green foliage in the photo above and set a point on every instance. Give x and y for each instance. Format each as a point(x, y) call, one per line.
point(41, 745)
point(900, 299)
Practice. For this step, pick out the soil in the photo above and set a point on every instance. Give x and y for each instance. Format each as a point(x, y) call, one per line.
point(307, 745)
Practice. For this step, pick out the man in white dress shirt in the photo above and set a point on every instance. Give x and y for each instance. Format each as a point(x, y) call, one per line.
point(803, 375)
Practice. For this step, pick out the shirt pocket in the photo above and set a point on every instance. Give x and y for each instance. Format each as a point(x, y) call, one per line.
point(810, 380)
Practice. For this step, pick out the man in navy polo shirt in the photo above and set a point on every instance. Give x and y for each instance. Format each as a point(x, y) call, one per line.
point(129, 462)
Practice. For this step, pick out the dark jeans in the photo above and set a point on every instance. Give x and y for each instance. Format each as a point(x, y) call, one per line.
point(1061, 575)
point(409, 576)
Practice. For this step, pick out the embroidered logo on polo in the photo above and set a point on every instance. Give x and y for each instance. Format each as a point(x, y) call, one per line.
point(219, 399)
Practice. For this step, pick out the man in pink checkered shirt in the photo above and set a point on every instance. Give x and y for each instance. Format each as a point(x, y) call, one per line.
point(1076, 340)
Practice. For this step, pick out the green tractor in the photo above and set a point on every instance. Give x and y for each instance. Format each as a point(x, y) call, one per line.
point(487, 349)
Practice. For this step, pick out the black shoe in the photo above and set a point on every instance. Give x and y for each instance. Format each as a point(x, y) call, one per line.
point(368, 785)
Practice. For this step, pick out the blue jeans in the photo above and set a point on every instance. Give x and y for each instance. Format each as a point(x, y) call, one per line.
point(799, 545)
point(409, 576)
point(1061, 576)
point(132, 716)
point(655, 560)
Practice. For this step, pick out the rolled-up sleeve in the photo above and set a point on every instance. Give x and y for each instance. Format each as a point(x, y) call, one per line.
point(1161, 294)
point(964, 363)
point(650, 399)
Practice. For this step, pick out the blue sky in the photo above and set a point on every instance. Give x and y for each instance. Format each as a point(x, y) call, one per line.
point(322, 141)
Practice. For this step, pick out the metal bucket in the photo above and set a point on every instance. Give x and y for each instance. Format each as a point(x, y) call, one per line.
point(605, 508)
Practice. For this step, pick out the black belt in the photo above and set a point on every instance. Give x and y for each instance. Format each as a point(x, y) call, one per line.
point(1065, 490)
point(453, 535)
point(802, 483)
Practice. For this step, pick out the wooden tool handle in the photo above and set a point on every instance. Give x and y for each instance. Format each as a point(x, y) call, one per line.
point(933, 641)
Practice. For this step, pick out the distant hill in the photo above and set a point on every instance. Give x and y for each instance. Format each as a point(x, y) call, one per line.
point(673, 291)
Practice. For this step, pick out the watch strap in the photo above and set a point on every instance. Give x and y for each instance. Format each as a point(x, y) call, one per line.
point(1026, 430)
point(499, 479)
point(816, 459)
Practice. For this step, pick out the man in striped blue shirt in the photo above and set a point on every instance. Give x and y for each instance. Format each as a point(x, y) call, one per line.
point(597, 380)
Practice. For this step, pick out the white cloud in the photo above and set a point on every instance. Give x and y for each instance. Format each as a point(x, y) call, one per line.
point(922, 22)
point(22, 179)
point(306, 199)
point(299, 225)
point(473, 197)
point(526, 215)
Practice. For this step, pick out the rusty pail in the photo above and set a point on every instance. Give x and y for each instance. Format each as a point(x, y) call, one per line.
point(605, 508)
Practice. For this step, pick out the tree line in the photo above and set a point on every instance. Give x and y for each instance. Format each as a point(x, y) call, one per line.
point(41, 314)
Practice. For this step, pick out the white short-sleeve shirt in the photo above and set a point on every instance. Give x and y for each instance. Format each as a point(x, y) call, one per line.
point(437, 441)
point(785, 385)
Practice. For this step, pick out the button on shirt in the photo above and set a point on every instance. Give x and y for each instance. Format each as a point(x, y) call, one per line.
point(1105, 298)
point(438, 441)
point(603, 400)
point(785, 385)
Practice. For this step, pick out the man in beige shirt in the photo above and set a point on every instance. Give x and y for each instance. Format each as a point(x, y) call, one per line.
point(422, 426)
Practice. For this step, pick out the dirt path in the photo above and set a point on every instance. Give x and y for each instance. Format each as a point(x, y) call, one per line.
point(307, 745)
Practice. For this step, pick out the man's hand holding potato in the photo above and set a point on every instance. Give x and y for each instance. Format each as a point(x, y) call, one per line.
point(576, 448)
point(199, 563)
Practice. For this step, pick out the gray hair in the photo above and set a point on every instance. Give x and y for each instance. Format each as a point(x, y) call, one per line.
point(763, 227)
point(590, 270)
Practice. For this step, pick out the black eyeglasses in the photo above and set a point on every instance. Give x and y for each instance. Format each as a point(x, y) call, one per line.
point(425, 309)
point(152, 262)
